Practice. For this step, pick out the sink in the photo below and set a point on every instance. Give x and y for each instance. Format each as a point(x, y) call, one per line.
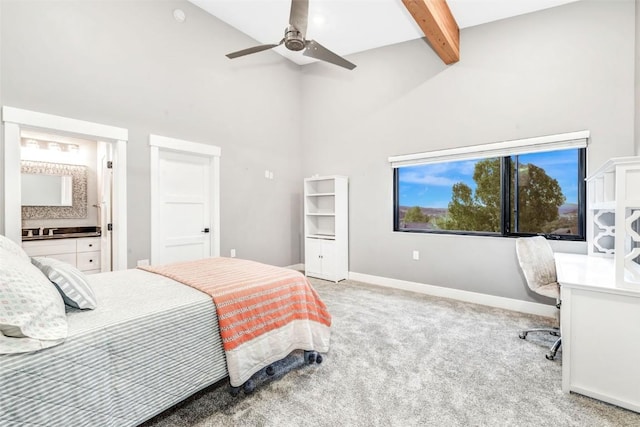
point(64, 233)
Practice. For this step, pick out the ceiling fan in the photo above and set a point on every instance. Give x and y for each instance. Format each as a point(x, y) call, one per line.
point(294, 39)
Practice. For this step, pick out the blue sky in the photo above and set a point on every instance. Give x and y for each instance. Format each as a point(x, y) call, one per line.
point(430, 185)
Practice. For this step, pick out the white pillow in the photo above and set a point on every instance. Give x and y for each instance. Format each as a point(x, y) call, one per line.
point(71, 282)
point(13, 248)
point(32, 315)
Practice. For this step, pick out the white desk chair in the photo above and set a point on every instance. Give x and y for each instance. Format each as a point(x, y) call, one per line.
point(536, 260)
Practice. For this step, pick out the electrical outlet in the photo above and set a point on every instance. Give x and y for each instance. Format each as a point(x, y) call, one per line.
point(142, 262)
point(416, 255)
point(232, 253)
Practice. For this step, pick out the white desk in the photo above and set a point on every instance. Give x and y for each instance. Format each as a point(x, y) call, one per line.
point(600, 323)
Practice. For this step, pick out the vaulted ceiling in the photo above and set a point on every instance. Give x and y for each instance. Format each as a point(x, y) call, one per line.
point(350, 26)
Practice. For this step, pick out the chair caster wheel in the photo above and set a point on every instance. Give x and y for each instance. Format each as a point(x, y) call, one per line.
point(249, 387)
point(319, 359)
point(549, 356)
point(270, 370)
point(522, 335)
point(234, 391)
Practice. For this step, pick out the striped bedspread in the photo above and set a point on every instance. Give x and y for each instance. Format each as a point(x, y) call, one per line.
point(264, 312)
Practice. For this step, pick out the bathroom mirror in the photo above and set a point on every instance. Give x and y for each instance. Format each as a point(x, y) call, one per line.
point(47, 190)
point(71, 181)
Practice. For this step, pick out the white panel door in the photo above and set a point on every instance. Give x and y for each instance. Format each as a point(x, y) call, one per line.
point(184, 190)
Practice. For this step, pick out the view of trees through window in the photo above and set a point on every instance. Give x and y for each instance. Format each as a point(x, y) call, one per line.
point(467, 195)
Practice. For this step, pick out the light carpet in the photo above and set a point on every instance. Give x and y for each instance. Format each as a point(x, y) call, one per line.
point(403, 359)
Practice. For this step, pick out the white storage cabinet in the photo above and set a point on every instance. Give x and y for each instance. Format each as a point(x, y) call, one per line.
point(326, 227)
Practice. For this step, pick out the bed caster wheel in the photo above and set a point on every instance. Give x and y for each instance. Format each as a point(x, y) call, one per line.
point(234, 391)
point(310, 357)
point(319, 359)
point(249, 387)
point(270, 370)
point(522, 335)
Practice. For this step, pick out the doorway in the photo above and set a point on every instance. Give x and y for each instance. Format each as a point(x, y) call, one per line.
point(185, 200)
point(111, 140)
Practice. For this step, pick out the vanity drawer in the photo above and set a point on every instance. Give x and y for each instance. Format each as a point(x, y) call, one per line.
point(89, 244)
point(88, 260)
point(50, 247)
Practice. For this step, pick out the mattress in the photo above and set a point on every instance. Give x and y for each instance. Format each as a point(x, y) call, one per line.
point(149, 344)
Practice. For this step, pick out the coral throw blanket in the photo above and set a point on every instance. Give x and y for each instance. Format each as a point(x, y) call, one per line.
point(264, 312)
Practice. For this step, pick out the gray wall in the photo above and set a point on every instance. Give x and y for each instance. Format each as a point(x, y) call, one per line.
point(130, 64)
point(560, 70)
point(637, 75)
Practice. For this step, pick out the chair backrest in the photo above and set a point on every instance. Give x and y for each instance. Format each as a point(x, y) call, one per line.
point(536, 260)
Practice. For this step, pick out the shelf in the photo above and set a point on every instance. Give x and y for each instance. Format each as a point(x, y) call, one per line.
point(322, 236)
point(321, 213)
point(321, 194)
point(609, 206)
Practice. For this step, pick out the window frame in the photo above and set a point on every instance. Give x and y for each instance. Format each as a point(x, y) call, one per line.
point(506, 220)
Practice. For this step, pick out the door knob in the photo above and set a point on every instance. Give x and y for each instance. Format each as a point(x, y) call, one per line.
point(206, 230)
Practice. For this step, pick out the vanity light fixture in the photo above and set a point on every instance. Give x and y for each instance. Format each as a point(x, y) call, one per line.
point(32, 145)
point(60, 147)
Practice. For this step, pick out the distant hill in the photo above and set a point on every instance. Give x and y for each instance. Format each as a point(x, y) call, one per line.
point(568, 209)
point(432, 212)
point(564, 210)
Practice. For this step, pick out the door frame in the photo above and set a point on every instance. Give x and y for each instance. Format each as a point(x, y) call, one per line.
point(157, 143)
point(16, 119)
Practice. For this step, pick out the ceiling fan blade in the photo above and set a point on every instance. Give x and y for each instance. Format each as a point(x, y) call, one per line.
point(315, 50)
point(299, 15)
point(251, 50)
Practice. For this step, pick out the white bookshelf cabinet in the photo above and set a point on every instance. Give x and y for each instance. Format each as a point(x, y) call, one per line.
point(326, 227)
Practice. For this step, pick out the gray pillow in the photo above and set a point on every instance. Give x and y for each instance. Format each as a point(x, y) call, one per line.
point(70, 281)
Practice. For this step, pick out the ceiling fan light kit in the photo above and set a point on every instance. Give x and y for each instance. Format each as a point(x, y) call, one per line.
point(294, 39)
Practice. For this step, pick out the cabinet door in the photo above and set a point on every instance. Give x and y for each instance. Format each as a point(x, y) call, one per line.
point(328, 259)
point(313, 257)
point(68, 258)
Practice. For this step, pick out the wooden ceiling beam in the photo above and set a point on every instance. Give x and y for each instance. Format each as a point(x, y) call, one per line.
point(439, 26)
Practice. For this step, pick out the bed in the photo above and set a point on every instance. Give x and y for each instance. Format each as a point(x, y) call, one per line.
point(149, 343)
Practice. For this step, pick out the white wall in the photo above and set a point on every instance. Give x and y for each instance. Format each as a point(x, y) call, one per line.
point(130, 64)
point(559, 70)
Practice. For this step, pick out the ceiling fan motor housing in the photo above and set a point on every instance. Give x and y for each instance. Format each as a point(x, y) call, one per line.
point(293, 39)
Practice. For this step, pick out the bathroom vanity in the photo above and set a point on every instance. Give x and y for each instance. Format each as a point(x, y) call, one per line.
point(78, 246)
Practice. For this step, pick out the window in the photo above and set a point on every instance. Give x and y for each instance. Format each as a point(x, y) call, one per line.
point(510, 194)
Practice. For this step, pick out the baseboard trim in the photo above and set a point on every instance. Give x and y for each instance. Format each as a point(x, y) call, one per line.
point(467, 296)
